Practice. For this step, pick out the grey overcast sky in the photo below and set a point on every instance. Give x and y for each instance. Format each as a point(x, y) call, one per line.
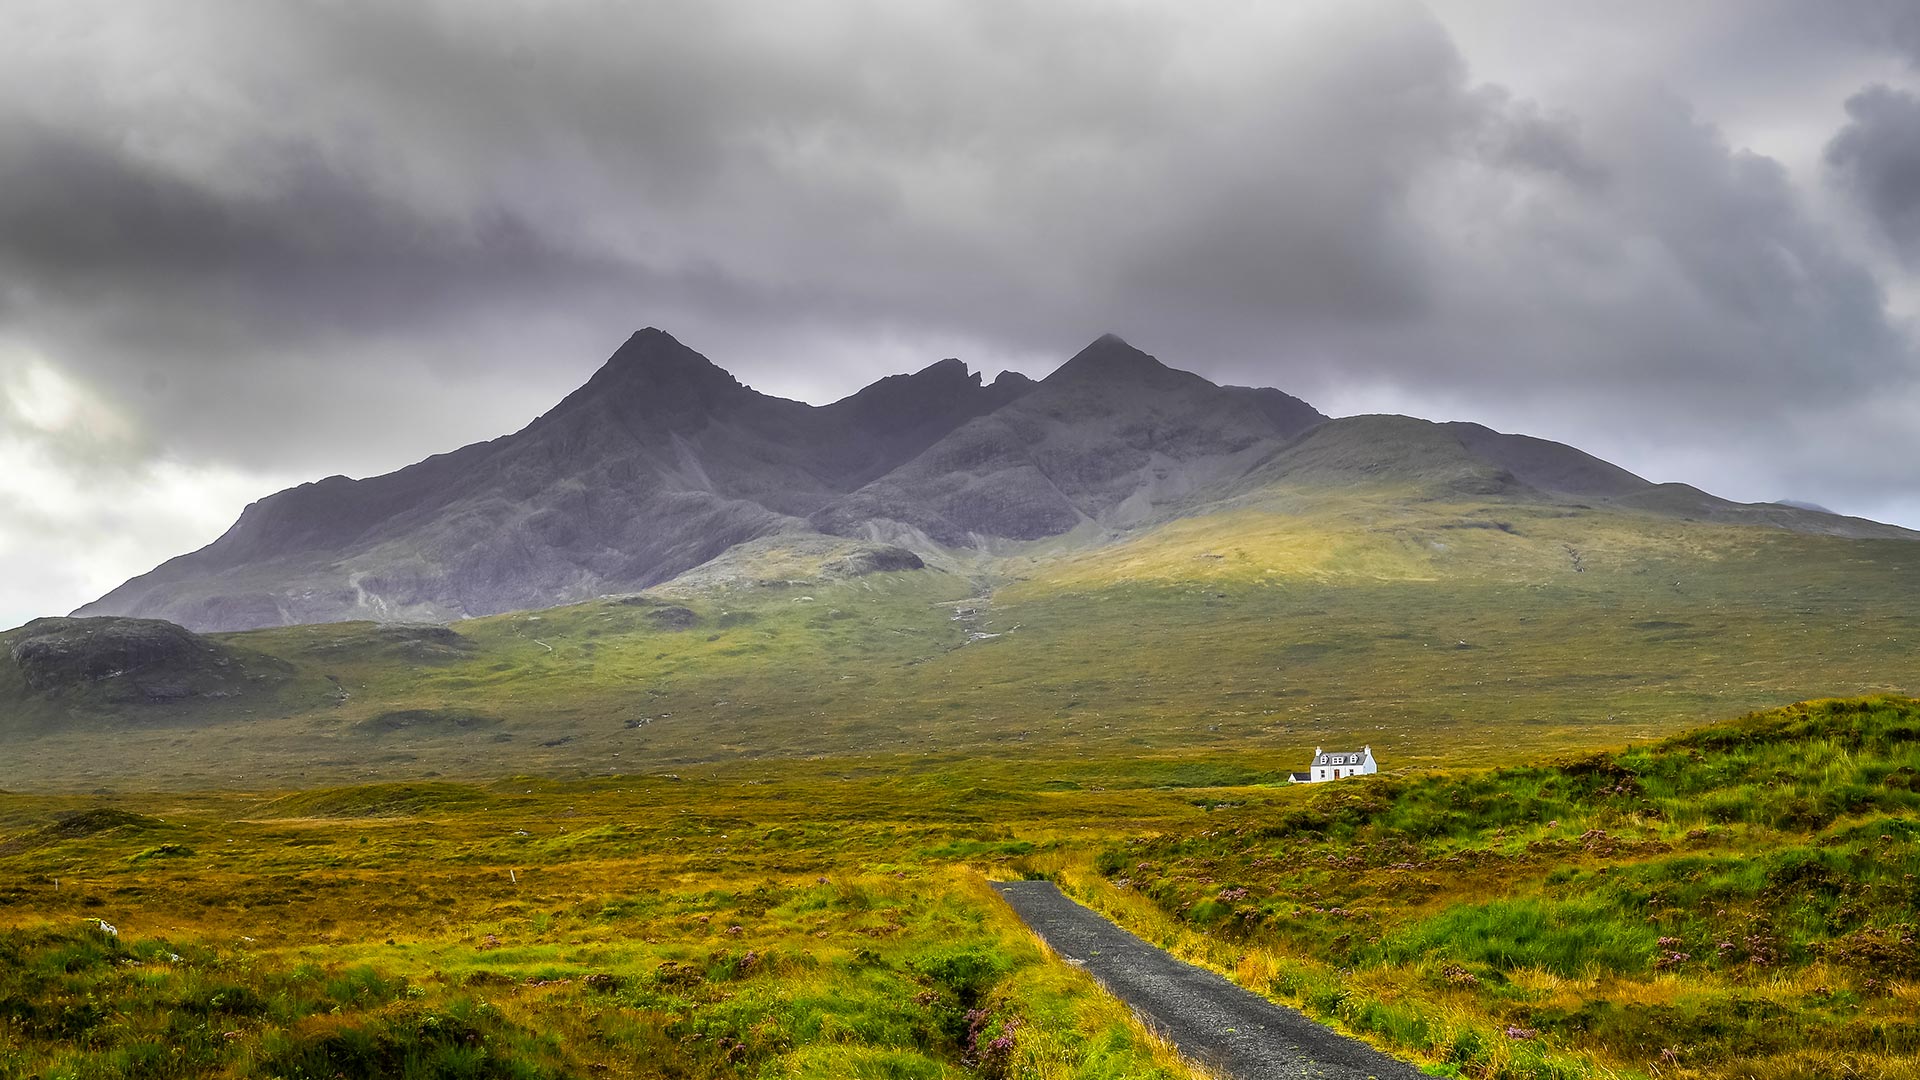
point(244, 245)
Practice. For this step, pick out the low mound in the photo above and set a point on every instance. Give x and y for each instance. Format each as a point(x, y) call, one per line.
point(55, 654)
point(374, 800)
point(77, 824)
point(673, 617)
point(404, 642)
point(876, 560)
point(425, 722)
point(663, 615)
point(421, 642)
point(97, 819)
point(129, 661)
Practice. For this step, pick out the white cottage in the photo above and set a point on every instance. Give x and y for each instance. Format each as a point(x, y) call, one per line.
point(1338, 764)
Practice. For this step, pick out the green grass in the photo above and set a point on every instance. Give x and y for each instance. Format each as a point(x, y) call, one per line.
point(1746, 896)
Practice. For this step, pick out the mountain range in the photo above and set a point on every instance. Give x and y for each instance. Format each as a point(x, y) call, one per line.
point(664, 464)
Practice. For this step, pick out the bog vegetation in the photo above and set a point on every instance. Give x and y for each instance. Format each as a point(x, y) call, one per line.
point(1739, 901)
point(715, 925)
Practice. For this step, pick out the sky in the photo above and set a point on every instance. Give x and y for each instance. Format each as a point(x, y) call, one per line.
point(247, 245)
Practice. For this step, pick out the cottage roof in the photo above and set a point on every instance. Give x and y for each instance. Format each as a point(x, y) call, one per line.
point(1343, 757)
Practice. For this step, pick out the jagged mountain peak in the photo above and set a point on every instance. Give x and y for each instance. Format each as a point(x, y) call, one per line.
point(655, 356)
point(663, 462)
point(951, 368)
point(1111, 371)
point(654, 350)
point(949, 374)
point(652, 377)
point(658, 464)
point(1108, 358)
point(902, 415)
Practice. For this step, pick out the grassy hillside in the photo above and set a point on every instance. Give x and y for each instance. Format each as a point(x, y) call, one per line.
point(1440, 631)
point(1437, 631)
point(1739, 901)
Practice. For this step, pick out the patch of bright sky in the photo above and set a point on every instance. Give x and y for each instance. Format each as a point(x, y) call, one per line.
point(78, 514)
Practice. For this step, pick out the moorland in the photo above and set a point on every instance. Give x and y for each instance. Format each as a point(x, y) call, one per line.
point(1739, 900)
point(651, 743)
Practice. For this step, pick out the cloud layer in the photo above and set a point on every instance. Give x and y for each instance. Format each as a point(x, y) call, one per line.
point(272, 242)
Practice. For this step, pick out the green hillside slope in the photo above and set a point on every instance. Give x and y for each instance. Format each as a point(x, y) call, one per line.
point(1439, 628)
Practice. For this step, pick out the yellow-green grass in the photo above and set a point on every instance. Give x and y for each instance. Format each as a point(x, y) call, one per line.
point(586, 927)
point(1741, 901)
point(798, 923)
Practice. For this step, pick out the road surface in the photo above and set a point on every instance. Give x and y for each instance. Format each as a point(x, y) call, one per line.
point(1230, 1031)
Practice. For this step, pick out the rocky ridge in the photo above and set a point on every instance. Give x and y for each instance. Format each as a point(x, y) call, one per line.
point(663, 463)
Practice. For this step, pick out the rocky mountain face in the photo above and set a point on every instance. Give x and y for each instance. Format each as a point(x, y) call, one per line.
point(659, 463)
point(1112, 439)
point(663, 462)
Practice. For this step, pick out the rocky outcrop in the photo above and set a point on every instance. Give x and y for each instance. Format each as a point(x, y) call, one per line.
point(874, 561)
point(141, 661)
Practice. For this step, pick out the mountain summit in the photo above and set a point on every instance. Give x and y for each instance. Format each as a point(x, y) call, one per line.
point(655, 374)
point(1110, 357)
point(663, 462)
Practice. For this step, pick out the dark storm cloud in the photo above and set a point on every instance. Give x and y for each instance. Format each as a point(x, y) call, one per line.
point(1021, 179)
point(308, 238)
point(176, 298)
point(1876, 157)
point(86, 227)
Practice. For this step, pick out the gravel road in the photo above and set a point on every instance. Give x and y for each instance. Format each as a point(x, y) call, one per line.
point(1230, 1031)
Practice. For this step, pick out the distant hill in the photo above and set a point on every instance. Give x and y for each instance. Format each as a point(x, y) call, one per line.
point(663, 464)
point(54, 670)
